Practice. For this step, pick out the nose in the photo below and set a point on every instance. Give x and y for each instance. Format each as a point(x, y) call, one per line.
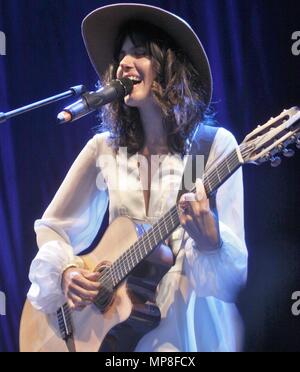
point(127, 63)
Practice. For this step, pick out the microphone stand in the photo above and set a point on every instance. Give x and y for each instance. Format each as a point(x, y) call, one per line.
point(73, 91)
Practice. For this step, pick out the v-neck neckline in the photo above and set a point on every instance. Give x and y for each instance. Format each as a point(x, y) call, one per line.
point(153, 179)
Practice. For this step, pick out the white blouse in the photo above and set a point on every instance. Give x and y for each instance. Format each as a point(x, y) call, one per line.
point(196, 297)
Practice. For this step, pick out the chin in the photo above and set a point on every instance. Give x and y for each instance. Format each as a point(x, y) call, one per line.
point(134, 102)
point(138, 101)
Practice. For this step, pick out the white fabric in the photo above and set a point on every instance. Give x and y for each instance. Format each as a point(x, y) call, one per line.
point(196, 297)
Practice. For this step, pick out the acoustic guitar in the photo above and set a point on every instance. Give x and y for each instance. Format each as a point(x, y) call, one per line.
point(132, 260)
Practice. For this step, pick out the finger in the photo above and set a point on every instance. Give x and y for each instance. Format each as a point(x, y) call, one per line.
point(80, 307)
point(189, 207)
point(182, 219)
point(200, 190)
point(82, 293)
point(188, 219)
point(84, 283)
point(194, 209)
point(77, 301)
point(94, 277)
point(192, 226)
point(188, 197)
point(73, 307)
point(69, 301)
point(183, 213)
point(185, 219)
point(184, 206)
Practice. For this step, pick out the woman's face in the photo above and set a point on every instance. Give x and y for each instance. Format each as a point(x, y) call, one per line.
point(134, 63)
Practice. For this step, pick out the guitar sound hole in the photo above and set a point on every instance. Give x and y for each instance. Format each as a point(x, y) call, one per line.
point(106, 294)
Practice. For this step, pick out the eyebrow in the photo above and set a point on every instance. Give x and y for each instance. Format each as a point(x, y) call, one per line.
point(132, 48)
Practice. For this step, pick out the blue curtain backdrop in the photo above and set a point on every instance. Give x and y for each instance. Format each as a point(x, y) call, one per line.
point(255, 76)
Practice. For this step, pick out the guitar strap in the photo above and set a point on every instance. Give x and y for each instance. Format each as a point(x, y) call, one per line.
point(201, 145)
point(202, 141)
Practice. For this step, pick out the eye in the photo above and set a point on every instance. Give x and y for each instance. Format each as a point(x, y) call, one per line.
point(135, 52)
point(140, 51)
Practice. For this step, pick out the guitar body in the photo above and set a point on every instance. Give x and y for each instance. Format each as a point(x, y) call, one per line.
point(119, 318)
point(130, 311)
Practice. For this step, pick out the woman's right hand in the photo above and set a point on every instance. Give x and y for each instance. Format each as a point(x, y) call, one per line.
point(80, 286)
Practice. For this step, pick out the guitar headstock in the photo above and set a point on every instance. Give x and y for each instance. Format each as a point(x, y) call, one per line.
point(267, 141)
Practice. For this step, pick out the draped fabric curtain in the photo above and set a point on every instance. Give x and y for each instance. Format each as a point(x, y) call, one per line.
point(256, 75)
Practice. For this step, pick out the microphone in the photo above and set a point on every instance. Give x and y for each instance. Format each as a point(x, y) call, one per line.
point(91, 101)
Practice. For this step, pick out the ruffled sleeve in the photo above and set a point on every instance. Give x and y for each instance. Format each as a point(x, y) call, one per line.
point(68, 226)
point(222, 273)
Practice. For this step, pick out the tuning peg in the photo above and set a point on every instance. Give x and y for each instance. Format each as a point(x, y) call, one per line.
point(293, 139)
point(280, 148)
point(288, 153)
point(267, 157)
point(275, 161)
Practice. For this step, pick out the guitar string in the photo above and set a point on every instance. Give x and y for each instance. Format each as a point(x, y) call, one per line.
point(219, 171)
point(212, 182)
point(124, 258)
point(147, 236)
point(123, 261)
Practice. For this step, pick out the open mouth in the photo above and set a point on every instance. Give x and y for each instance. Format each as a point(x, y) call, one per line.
point(135, 80)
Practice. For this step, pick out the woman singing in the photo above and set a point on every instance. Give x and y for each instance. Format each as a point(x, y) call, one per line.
point(135, 165)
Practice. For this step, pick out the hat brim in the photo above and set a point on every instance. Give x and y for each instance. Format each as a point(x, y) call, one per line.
point(101, 27)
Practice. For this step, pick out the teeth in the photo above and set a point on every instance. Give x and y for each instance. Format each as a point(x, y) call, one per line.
point(133, 78)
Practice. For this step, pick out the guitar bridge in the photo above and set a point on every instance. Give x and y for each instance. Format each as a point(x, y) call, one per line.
point(65, 322)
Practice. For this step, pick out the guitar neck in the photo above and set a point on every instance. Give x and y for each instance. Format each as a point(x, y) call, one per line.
point(162, 229)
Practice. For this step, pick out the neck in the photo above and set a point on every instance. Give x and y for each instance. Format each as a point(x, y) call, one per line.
point(155, 134)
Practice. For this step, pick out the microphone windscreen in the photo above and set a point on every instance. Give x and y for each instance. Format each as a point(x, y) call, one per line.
point(125, 85)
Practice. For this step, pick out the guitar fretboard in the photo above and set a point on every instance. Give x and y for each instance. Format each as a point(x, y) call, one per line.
point(162, 229)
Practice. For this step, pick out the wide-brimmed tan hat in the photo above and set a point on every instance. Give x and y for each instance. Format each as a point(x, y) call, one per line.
point(101, 28)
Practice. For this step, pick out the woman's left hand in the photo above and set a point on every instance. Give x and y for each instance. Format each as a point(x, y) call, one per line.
point(198, 220)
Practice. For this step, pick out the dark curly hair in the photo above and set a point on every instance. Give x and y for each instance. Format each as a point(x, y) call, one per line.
point(177, 89)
